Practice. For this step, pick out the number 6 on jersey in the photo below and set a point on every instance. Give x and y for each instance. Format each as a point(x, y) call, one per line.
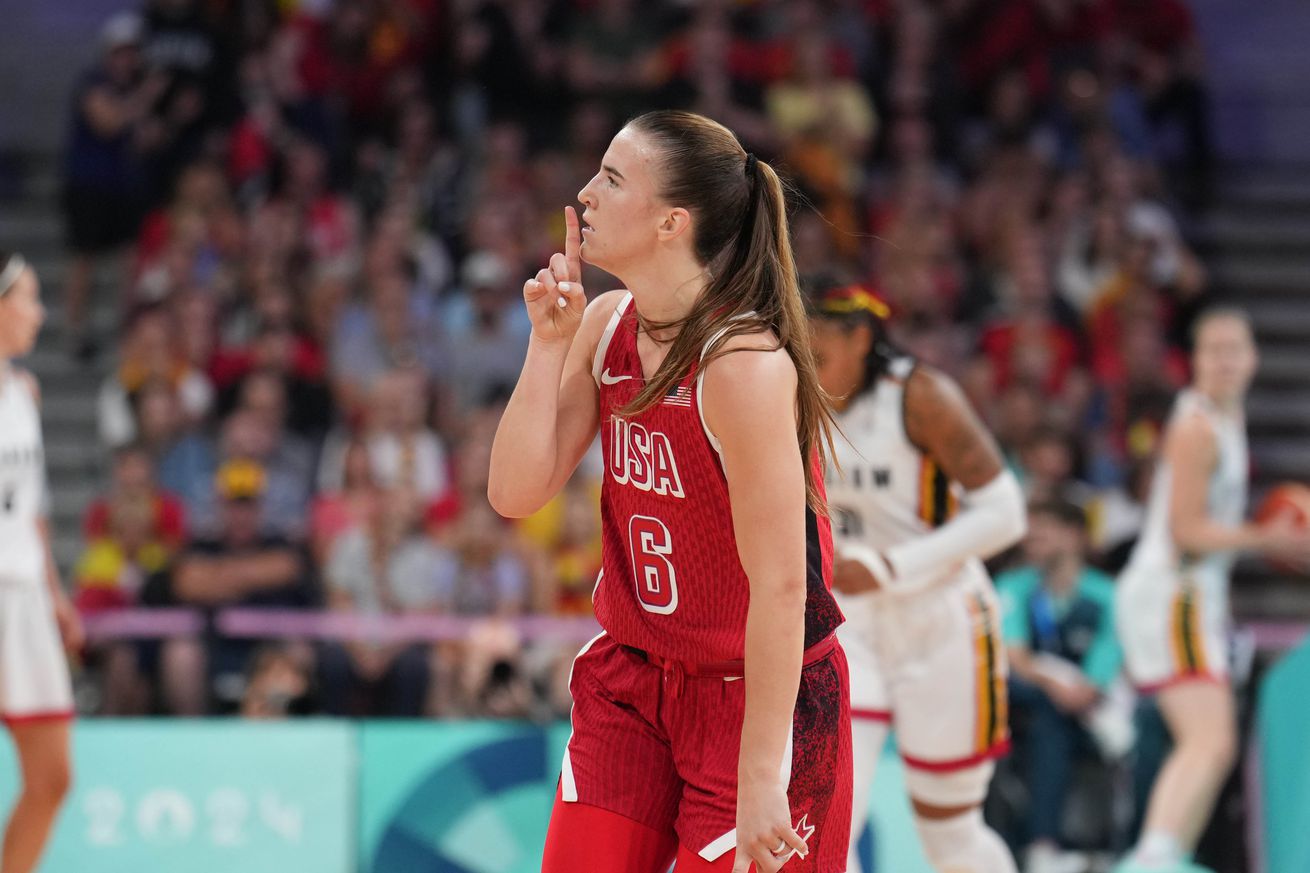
point(657, 582)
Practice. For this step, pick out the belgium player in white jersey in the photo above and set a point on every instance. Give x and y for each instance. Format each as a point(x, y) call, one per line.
point(36, 701)
point(919, 498)
point(1171, 603)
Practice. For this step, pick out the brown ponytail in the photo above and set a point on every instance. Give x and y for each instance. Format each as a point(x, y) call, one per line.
point(742, 239)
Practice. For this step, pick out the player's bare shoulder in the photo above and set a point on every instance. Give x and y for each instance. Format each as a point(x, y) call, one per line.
point(748, 377)
point(941, 421)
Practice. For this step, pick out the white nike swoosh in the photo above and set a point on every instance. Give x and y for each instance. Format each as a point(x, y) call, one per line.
point(607, 379)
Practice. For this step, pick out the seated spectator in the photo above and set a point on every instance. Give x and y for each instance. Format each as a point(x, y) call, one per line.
point(245, 434)
point(488, 353)
point(132, 484)
point(132, 535)
point(386, 567)
point(339, 512)
point(193, 240)
point(394, 330)
point(401, 449)
point(1058, 625)
point(242, 564)
point(150, 352)
point(1048, 463)
point(479, 574)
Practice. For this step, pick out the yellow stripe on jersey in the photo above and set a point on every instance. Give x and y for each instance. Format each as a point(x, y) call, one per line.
point(1188, 648)
point(936, 502)
point(992, 717)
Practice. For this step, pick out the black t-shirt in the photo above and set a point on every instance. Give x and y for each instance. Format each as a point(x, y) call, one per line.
point(300, 592)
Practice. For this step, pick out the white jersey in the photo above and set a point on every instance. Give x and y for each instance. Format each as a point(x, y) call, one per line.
point(887, 491)
point(22, 485)
point(1226, 494)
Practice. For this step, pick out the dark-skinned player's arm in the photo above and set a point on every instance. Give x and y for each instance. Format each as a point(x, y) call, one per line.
point(991, 518)
point(554, 411)
point(749, 402)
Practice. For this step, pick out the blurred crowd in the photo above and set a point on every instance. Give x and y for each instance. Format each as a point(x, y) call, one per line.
point(323, 212)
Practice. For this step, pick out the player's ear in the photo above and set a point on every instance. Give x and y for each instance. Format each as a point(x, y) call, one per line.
point(674, 223)
point(863, 338)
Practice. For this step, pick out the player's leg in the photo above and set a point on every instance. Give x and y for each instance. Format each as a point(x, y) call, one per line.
point(619, 792)
point(43, 759)
point(952, 720)
point(1175, 646)
point(585, 837)
point(705, 733)
point(1202, 722)
point(948, 816)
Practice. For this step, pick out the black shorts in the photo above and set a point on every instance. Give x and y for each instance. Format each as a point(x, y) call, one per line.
point(99, 220)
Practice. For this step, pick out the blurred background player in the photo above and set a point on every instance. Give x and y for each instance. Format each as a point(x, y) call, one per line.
point(712, 713)
point(919, 498)
point(36, 698)
point(1172, 599)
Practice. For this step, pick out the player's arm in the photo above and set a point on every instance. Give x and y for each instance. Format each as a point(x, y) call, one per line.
point(1191, 451)
point(992, 516)
point(554, 412)
point(750, 406)
point(66, 615)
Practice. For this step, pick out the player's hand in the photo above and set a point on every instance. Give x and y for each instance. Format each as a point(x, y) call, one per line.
point(765, 834)
point(1286, 542)
point(554, 297)
point(852, 577)
point(70, 625)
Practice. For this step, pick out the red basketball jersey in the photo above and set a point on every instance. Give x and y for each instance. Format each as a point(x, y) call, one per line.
point(671, 581)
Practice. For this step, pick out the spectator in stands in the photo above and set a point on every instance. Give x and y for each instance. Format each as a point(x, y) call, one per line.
point(242, 565)
point(1058, 626)
point(132, 535)
point(340, 511)
point(1048, 463)
point(279, 684)
point(402, 450)
point(104, 185)
point(151, 351)
point(480, 576)
point(193, 241)
point(826, 123)
point(487, 355)
point(394, 330)
point(385, 567)
point(245, 434)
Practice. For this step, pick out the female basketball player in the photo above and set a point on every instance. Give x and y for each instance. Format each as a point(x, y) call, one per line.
point(1172, 599)
point(712, 714)
point(36, 700)
point(921, 496)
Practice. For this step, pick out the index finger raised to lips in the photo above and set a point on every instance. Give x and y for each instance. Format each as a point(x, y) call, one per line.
point(573, 244)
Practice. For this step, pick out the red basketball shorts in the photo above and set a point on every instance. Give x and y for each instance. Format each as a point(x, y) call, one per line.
point(659, 744)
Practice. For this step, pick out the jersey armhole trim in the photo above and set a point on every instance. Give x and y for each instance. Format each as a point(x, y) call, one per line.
point(603, 347)
point(700, 385)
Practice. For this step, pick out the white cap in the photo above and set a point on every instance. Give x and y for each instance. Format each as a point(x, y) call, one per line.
point(122, 29)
